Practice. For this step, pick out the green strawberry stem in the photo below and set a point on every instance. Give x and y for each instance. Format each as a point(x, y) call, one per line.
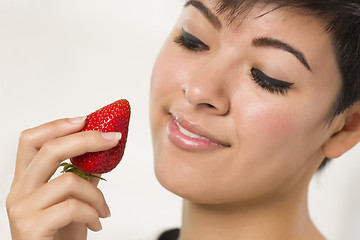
point(68, 167)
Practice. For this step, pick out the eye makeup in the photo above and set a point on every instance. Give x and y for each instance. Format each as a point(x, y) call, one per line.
point(272, 85)
point(191, 42)
point(268, 83)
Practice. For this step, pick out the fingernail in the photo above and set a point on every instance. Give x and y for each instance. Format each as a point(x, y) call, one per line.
point(111, 135)
point(99, 227)
point(76, 120)
point(108, 213)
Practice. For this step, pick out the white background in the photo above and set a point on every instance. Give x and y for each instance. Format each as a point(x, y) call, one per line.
point(67, 58)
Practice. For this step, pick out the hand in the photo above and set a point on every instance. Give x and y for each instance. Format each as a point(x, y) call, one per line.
point(64, 207)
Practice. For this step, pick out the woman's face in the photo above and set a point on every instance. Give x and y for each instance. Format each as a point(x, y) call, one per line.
point(240, 112)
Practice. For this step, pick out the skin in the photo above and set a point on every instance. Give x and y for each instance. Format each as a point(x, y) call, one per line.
point(66, 206)
point(253, 187)
point(276, 141)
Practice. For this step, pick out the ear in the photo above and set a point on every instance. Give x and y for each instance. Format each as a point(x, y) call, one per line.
point(347, 137)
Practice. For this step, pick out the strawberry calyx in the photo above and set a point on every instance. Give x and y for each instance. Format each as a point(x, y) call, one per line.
point(68, 167)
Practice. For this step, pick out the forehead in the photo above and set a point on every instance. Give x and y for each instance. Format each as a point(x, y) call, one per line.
point(232, 16)
point(300, 29)
point(232, 12)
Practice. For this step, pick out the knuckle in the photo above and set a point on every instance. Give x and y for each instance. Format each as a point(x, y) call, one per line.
point(30, 135)
point(25, 227)
point(98, 199)
point(15, 213)
point(94, 141)
point(49, 148)
point(8, 201)
point(26, 136)
point(90, 140)
point(91, 137)
point(57, 124)
point(100, 194)
point(71, 205)
point(70, 180)
point(93, 215)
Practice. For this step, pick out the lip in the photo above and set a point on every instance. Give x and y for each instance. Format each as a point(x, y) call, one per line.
point(195, 138)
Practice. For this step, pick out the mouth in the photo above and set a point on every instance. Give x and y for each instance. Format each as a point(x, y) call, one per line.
point(191, 136)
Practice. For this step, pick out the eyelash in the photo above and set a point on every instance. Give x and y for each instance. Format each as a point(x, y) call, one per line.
point(191, 42)
point(270, 84)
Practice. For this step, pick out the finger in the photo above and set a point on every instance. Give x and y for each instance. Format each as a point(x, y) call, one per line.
point(32, 139)
point(66, 186)
point(95, 180)
point(53, 152)
point(71, 210)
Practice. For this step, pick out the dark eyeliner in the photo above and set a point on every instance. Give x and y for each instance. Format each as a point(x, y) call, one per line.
point(190, 42)
point(271, 84)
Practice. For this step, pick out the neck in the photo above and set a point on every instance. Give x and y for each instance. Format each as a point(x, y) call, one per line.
point(286, 218)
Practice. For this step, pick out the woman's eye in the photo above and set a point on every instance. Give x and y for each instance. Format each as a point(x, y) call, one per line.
point(191, 42)
point(270, 84)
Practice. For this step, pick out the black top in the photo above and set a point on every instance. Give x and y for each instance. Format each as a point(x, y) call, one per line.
point(172, 234)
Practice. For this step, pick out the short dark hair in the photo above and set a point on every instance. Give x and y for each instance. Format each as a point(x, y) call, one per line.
point(342, 18)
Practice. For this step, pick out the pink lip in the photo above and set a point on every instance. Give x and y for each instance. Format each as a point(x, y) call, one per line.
point(207, 142)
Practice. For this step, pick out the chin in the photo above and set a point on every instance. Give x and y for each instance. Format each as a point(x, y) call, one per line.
point(178, 179)
point(186, 175)
point(186, 182)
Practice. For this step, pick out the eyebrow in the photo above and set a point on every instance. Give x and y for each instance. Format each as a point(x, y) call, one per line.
point(257, 42)
point(206, 12)
point(270, 42)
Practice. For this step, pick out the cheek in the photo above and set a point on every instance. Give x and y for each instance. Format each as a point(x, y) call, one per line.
point(170, 70)
point(162, 76)
point(167, 78)
point(163, 83)
point(271, 124)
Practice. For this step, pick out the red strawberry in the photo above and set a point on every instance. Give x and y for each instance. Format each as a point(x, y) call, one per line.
point(111, 118)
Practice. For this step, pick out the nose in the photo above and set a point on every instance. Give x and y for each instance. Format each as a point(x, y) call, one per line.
point(208, 91)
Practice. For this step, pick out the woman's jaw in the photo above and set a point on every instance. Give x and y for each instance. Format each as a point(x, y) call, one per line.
point(220, 135)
